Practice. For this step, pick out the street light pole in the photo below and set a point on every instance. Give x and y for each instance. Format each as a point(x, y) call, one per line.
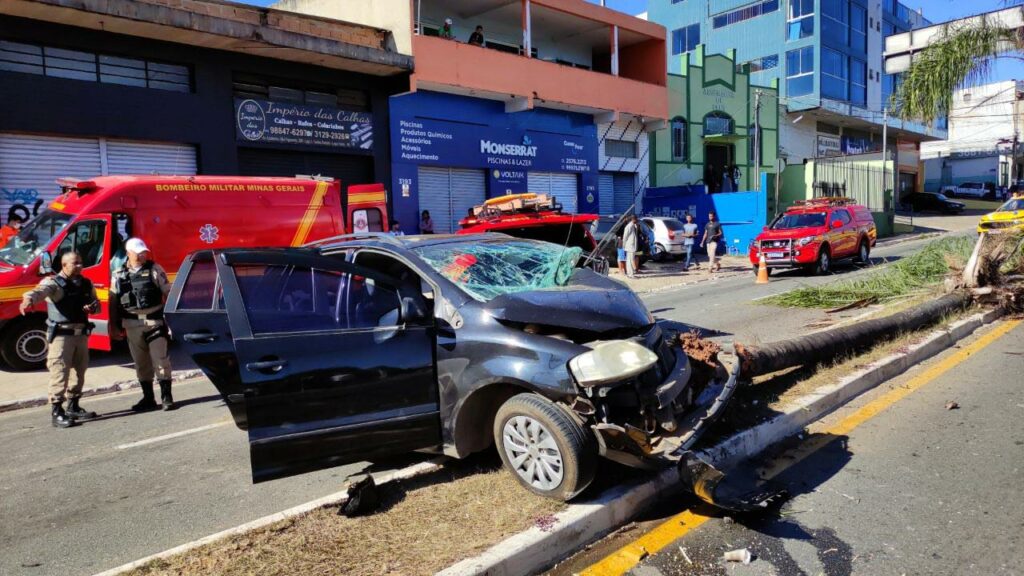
point(757, 139)
point(885, 150)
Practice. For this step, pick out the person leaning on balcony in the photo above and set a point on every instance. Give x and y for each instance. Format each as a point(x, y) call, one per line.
point(477, 37)
point(446, 30)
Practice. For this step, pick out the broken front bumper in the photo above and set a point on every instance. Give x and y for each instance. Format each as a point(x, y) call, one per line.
point(677, 431)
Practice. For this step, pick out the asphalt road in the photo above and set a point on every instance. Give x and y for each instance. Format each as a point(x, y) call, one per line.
point(915, 489)
point(87, 499)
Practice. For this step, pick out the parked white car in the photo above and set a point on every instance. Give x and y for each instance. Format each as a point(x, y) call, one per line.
point(668, 237)
point(969, 189)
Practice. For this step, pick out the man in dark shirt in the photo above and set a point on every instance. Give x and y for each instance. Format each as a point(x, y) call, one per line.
point(477, 37)
point(712, 236)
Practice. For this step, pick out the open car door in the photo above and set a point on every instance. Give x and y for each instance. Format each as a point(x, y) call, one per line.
point(333, 367)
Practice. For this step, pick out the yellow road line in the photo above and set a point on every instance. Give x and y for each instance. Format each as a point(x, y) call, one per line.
point(625, 558)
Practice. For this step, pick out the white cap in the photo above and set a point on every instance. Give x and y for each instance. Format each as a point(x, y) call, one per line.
point(448, 21)
point(136, 245)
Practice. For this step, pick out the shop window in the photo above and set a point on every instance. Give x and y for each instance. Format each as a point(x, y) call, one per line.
point(679, 140)
point(93, 67)
point(620, 148)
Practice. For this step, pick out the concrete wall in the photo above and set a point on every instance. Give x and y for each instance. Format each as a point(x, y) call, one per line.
point(393, 15)
point(981, 117)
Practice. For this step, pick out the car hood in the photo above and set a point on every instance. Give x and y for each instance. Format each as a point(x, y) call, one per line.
point(791, 233)
point(1003, 216)
point(589, 301)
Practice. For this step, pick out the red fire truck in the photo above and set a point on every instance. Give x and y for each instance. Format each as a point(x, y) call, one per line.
point(175, 215)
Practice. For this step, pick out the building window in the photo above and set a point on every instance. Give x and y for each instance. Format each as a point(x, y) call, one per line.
point(93, 67)
point(858, 28)
point(800, 71)
point(858, 82)
point(717, 123)
point(620, 148)
point(678, 139)
point(835, 21)
point(746, 13)
point(826, 128)
point(761, 64)
point(685, 39)
point(280, 90)
point(800, 20)
point(835, 74)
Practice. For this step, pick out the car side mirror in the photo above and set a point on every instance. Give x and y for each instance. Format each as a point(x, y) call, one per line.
point(837, 224)
point(412, 311)
point(45, 264)
point(764, 229)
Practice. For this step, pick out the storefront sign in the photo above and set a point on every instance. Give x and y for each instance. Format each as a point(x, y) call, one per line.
point(511, 152)
point(269, 122)
point(828, 146)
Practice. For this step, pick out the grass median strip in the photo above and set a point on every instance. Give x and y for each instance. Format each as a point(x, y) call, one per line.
point(424, 524)
point(915, 274)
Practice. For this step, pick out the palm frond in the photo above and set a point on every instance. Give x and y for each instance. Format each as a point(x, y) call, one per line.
point(962, 56)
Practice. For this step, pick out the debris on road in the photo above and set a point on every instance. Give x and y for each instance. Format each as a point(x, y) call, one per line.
point(863, 302)
point(951, 405)
point(686, 556)
point(742, 555)
point(546, 523)
point(363, 499)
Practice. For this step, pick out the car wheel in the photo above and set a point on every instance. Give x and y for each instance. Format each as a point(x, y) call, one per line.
point(659, 254)
point(544, 447)
point(824, 264)
point(863, 252)
point(24, 345)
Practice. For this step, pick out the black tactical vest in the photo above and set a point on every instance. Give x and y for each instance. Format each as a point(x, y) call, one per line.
point(138, 290)
point(70, 309)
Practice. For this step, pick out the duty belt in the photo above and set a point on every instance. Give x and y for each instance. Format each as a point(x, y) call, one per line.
point(54, 329)
point(158, 315)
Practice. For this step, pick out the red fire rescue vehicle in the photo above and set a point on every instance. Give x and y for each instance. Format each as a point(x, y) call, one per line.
point(175, 215)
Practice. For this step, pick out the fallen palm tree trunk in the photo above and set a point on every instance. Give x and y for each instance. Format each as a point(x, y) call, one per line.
point(837, 343)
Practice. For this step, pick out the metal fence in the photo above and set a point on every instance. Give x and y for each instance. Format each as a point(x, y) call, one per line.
point(857, 177)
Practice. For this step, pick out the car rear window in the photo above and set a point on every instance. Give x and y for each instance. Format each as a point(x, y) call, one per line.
point(673, 224)
point(200, 286)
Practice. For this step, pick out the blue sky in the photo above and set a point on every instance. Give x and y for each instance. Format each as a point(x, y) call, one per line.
point(934, 10)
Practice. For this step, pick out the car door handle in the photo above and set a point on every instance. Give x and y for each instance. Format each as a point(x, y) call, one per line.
point(266, 366)
point(200, 337)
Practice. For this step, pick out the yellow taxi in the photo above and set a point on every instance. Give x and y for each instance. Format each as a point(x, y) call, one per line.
point(1008, 218)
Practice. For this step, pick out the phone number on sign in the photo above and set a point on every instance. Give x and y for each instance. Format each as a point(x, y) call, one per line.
point(300, 133)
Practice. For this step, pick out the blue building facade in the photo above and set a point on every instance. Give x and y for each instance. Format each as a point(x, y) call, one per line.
point(452, 152)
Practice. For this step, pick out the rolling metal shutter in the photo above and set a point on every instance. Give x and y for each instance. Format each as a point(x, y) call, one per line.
point(449, 193)
point(624, 188)
point(605, 193)
point(151, 158)
point(30, 166)
point(563, 186)
point(346, 168)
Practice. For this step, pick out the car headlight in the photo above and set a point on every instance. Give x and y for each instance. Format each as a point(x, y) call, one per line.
point(806, 240)
point(611, 361)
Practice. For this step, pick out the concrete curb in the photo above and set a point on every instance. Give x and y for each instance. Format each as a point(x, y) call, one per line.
point(904, 238)
point(118, 386)
point(330, 499)
point(534, 549)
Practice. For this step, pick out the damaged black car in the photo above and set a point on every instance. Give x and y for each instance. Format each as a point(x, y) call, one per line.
point(358, 348)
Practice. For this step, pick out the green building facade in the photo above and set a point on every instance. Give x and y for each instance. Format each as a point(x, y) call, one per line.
point(711, 124)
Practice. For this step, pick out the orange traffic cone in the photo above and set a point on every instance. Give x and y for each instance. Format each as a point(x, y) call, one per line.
point(762, 271)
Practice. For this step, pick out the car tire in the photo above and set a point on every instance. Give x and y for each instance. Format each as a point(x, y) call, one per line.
point(863, 252)
point(24, 346)
point(659, 254)
point(531, 430)
point(824, 263)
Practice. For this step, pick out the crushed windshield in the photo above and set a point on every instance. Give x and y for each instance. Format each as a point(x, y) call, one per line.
point(34, 237)
point(1013, 205)
point(809, 220)
point(486, 270)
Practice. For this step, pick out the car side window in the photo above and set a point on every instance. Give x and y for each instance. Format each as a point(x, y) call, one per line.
point(842, 216)
point(371, 304)
point(86, 238)
point(200, 287)
point(281, 298)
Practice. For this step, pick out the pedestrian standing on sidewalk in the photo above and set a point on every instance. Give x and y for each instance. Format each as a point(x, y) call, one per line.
point(712, 236)
point(630, 243)
point(426, 223)
point(620, 253)
point(137, 294)
point(689, 239)
point(70, 298)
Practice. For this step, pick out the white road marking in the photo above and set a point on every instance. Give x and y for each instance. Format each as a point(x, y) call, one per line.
point(173, 435)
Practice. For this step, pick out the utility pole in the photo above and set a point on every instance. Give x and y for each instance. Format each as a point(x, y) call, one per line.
point(757, 139)
point(885, 150)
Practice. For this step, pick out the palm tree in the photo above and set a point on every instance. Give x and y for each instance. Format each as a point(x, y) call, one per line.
point(961, 56)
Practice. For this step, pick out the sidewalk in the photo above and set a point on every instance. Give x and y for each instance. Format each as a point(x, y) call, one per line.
point(108, 372)
point(657, 276)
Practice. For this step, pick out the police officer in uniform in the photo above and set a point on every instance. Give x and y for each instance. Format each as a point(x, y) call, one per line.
point(70, 298)
point(138, 290)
